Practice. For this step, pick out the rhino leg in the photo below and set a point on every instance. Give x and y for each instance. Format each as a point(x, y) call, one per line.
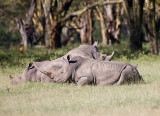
point(128, 75)
point(109, 81)
point(121, 80)
point(82, 81)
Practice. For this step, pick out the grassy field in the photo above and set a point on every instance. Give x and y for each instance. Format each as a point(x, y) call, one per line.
point(35, 99)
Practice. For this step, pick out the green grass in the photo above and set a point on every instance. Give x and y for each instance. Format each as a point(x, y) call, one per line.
point(62, 99)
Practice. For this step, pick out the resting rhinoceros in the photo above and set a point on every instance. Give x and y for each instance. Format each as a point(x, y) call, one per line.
point(36, 72)
point(31, 74)
point(85, 51)
point(89, 71)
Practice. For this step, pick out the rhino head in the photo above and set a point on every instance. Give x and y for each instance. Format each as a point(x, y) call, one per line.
point(21, 78)
point(99, 56)
point(16, 80)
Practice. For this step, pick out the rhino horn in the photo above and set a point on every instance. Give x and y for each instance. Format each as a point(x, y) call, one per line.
point(11, 77)
point(110, 56)
point(49, 74)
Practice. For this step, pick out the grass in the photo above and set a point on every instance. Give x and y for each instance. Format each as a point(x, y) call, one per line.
point(62, 99)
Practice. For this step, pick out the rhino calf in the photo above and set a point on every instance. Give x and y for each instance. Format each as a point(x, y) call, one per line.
point(89, 71)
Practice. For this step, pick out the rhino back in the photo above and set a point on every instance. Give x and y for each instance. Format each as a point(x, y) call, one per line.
point(107, 71)
point(79, 52)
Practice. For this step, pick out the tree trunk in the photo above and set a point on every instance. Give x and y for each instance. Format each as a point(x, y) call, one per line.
point(56, 34)
point(152, 27)
point(109, 25)
point(118, 22)
point(135, 13)
point(31, 11)
point(47, 35)
point(22, 32)
point(26, 34)
point(59, 10)
point(39, 22)
point(89, 27)
point(83, 34)
point(103, 27)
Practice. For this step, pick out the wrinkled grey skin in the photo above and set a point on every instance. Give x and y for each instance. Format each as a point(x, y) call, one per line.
point(84, 71)
point(42, 71)
point(31, 74)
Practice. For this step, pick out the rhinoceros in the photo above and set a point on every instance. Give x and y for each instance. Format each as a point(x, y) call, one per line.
point(84, 71)
point(38, 71)
point(85, 51)
point(31, 74)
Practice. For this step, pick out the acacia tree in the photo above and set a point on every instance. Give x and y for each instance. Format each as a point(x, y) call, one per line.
point(9, 10)
point(26, 31)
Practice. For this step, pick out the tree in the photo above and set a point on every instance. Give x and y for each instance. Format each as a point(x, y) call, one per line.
point(151, 27)
point(100, 17)
point(134, 10)
point(9, 10)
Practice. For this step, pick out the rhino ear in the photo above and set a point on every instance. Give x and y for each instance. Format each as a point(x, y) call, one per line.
point(11, 77)
point(69, 57)
point(30, 66)
point(95, 43)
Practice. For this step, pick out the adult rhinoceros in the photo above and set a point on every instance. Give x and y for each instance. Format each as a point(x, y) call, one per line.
point(89, 71)
point(31, 74)
point(38, 71)
point(85, 51)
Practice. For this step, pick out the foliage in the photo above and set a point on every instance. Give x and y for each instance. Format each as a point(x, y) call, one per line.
point(8, 38)
point(9, 10)
point(12, 57)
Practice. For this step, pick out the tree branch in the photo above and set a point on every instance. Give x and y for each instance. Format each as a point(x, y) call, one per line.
point(80, 12)
point(31, 11)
